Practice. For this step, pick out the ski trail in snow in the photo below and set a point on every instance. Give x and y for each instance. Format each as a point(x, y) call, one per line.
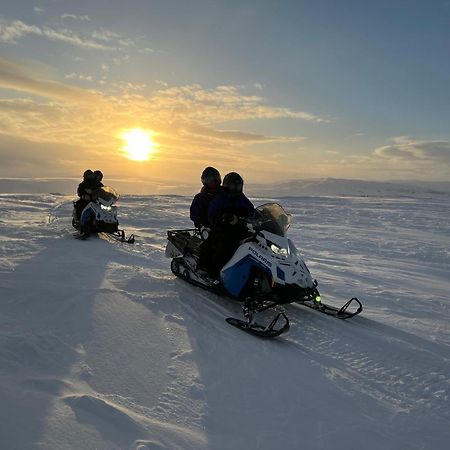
point(385, 364)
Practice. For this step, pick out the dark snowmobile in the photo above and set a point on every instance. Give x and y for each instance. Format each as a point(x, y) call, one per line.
point(265, 271)
point(100, 216)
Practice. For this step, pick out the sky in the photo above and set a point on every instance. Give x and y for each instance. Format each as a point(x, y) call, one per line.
point(276, 90)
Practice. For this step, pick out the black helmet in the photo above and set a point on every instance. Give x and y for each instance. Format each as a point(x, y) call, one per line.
point(88, 175)
point(209, 175)
point(233, 183)
point(98, 175)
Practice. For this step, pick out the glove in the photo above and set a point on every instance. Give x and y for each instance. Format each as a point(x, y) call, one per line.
point(229, 218)
point(204, 232)
point(250, 228)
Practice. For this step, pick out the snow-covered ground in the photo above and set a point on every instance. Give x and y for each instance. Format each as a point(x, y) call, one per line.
point(102, 348)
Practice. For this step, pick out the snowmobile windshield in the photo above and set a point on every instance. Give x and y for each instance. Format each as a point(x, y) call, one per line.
point(273, 218)
point(107, 196)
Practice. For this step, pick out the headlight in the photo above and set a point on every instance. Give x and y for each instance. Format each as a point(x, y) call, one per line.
point(107, 208)
point(279, 250)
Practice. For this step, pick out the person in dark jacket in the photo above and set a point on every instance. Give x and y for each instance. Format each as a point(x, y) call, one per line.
point(84, 191)
point(231, 204)
point(211, 181)
point(98, 177)
point(91, 182)
point(225, 215)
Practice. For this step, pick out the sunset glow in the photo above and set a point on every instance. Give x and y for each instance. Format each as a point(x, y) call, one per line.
point(138, 144)
point(136, 89)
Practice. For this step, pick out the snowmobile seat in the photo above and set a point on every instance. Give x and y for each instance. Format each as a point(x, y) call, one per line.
point(186, 241)
point(193, 245)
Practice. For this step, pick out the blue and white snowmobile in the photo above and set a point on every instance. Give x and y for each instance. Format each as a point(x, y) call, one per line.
point(100, 216)
point(266, 271)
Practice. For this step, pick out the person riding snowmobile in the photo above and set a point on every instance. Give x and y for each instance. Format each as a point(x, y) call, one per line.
point(91, 182)
point(211, 181)
point(84, 191)
point(98, 176)
point(225, 214)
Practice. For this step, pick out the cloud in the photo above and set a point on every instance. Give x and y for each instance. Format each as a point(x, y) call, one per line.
point(102, 39)
point(11, 30)
point(16, 76)
point(149, 50)
point(75, 17)
point(236, 137)
point(220, 104)
point(70, 37)
point(189, 114)
point(187, 122)
point(79, 76)
point(122, 60)
point(38, 10)
point(26, 157)
point(408, 149)
point(25, 105)
point(105, 35)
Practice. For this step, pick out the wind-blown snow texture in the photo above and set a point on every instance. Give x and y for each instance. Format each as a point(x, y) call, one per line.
point(102, 348)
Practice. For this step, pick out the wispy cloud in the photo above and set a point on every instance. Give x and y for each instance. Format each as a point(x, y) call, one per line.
point(220, 104)
point(79, 76)
point(38, 10)
point(70, 37)
point(409, 149)
point(19, 155)
point(75, 17)
point(12, 30)
point(18, 77)
point(235, 137)
point(121, 60)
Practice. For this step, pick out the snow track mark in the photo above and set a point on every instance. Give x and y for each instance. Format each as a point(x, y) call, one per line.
point(390, 369)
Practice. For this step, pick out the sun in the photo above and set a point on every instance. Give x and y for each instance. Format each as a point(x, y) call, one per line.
point(138, 144)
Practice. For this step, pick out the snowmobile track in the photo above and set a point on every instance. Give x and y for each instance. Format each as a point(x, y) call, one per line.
point(405, 377)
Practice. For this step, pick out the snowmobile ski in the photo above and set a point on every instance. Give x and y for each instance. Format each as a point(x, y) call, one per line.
point(247, 325)
point(339, 313)
point(121, 237)
point(259, 330)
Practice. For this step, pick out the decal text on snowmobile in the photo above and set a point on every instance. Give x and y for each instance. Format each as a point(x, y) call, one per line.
point(260, 257)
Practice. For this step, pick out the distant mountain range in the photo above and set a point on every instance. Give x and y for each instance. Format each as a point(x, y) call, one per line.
point(343, 187)
point(292, 188)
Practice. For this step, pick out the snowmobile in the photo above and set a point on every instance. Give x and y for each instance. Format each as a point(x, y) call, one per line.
point(100, 215)
point(266, 271)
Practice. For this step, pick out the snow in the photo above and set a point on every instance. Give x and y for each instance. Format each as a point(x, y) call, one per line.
point(304, 187)
point(351, 188)
point(102, 348)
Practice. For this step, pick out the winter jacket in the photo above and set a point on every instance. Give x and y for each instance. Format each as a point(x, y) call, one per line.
point(199, 207)
point(91, 185)
point(224, 204)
